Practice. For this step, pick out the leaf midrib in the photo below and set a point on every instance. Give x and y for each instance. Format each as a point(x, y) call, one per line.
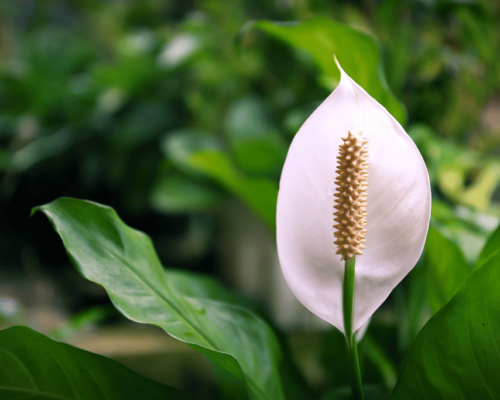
point(162, 298)
point(129, 267)
point(177, 312)
point(20, 362)
point(36, 393)
point(248, 379)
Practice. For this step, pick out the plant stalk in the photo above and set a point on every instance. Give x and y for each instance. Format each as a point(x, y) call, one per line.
point(350, 337)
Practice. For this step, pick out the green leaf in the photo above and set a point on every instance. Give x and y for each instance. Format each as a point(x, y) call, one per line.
point(177, 194)
point(124, 262)
point(358, 53)
point(371, 392)
point(257, 145)
point(196, 285)
point(456, 355)
point(376, 354)
point(411, 306)
point(447, 268)
point(202, 286)
point(260, 155)
point(259, 194)
point(195, 152)
point(491, 248)
point(32, 366)
point(230, 388)
point(85, 319)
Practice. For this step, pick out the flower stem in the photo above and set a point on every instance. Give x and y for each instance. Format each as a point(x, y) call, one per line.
point(350, 337)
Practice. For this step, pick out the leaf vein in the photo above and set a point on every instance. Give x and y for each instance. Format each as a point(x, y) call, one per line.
point(472, 352)
point(35, 393)
point(22, 365)
point(489, 324)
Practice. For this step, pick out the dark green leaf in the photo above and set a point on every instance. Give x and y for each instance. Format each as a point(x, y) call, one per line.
point(32, 366)
point(230, 388)
point(376, 354)
point(358, 54)
point(490, 249)
point(411, 306)
point(456, 355)
point(447, 268)
point(370, 392)
point(124, 262)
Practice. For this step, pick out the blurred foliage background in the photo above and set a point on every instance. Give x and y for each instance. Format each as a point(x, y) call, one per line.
point(179, 114)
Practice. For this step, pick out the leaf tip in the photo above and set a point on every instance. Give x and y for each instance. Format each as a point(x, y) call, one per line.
point(34, 210)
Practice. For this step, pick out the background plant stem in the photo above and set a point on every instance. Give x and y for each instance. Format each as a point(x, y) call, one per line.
point(352, 348)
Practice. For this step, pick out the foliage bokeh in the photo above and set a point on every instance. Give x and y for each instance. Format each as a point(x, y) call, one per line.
point(170, 110)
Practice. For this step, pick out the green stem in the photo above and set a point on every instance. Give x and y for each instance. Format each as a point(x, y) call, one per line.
point(350, 337)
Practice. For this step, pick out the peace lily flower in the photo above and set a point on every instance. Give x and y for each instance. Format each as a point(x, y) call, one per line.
point(353, 158)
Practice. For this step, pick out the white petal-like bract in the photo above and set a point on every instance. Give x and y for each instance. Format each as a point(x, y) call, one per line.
point(399, 204)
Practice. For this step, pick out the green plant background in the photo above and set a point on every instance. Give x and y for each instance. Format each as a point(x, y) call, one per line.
point(179, 114)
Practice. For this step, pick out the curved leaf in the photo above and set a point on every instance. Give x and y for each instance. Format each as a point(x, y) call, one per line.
point(33, 366)
point(175, 193)
point(200, 153)
point(198, 285)
point(491, 248)
point(259, 194)
point(123, 261)
point(358, 53)
point(447, 270)
point(457, 353)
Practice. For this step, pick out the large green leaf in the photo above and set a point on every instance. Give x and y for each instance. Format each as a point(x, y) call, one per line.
point(491, 248)
point(201, 286)
point(456, 355)
point(33, 366)
point(447, 268)
point(123, 261)
point(200, 153)
point(358, 53)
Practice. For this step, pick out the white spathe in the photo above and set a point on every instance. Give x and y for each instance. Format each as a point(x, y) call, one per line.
point(399, 205)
